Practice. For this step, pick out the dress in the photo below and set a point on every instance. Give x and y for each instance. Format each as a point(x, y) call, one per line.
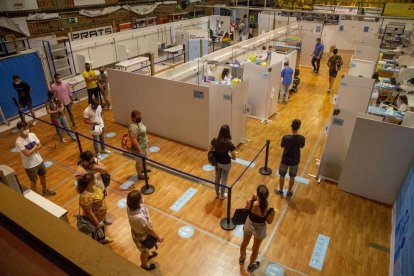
point(96, 199)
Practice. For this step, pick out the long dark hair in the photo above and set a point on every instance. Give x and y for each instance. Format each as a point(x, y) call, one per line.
point(224, 134)
point(224, 73)
point(84, 181)
point(262, 194)
point(134, 200)
point(85, 156)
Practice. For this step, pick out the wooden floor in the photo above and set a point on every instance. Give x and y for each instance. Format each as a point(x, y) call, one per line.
point(351, 222)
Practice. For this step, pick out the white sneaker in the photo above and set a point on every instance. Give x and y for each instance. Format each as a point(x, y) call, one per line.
point(223, 196)
point(105, 151)
point(98, 156)
point(34, 122)
point(63, 140)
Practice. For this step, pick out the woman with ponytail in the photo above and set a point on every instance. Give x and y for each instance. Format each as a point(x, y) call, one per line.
point(259, 216)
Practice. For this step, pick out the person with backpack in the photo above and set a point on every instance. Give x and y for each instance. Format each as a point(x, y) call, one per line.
point(223, 146)
point(137, 132)
point(334, 63)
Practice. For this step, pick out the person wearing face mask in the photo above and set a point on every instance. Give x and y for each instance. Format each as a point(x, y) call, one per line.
point(63, 94)
point(28, 145)
point(91, 84)
point(103, 86)
point(139, 139)
point(92, 115)
point(25, 99)
point(317, 55)
point(54, 108)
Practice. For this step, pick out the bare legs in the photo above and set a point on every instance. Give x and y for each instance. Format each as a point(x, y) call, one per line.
point(282, 183)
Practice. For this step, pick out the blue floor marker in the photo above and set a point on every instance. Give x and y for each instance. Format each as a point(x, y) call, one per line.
point(243, 162)
point(48, 164)
point(183, 199)
point(154, 149)
point(186, 232)
point(238, 231)
point(274, 270)
point(14, 150)
point(297, 178)
point(110, 134)
point(103, 156)
point(14, 131)
point(319, 252)
point(122, 203)
point(129, 182)
point(208, 168)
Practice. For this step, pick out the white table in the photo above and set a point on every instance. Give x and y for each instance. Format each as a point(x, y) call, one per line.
point(173, 51)
point(124, 65)
point(47, 205)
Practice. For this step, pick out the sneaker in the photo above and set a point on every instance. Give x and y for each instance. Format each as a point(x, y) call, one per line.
point(289, 195)
point(34, 122)
point(98, 156)
point(107, 221)
point(329, 91)
point(223, 196)
point(110, 107)
point(253, 267)
point(48, 193)
point(217, 196)
point(148, 170)
point(279, 192)
point(105, 151)
point(62, 140)
point(149, 268)
point(107, 240)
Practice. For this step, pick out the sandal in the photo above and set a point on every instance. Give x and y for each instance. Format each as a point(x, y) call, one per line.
point(253, 267)
point(153, 255)
point(149, 268)
point(241, 261)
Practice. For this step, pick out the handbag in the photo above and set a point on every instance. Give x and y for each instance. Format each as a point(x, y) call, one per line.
point(240, 216)
point(106, 179)
point(211, 159)
point(150, 242)
point(84, 224)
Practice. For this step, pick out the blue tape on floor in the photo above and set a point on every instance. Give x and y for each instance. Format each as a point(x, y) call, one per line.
point(238, 231)
point(274, 270)
point(14, 150)
point(103, 156)
point(48, 164)
point(110, 134)
point(299, 179)
point(154, 149)
point(183, 199)
point(14, 131)
point(244, 162)
point(208, 168)
point(186, 232)
point(129, 182)
point(122, 203)
point(319, 252)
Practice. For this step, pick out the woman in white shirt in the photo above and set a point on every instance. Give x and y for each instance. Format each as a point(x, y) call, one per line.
point(402, 103)
point(226, 76)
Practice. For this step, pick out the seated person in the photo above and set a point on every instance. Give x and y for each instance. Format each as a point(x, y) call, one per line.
point(226, 76)
point(402, 104)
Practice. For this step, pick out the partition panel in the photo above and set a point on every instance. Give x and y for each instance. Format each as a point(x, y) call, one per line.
point(238, 112)
point(308, 45)
point(366, 172)
point(354, 93)
point(219, 107)
point(361, 68)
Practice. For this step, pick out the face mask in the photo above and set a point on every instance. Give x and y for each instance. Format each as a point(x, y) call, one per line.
point(58, 80)
point(138, 120)
point(25, 132)
point(101, 72)
point(88, 68)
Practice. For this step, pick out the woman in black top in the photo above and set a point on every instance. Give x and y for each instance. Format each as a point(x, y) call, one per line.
point(256, 224)
point(222, 146)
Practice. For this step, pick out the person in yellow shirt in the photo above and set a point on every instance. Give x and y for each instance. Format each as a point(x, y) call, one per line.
point(91, 83)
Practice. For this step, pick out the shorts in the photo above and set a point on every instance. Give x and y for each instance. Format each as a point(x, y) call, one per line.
point(25, 102)
point(257, 230)
point(32, 173)
point(333, 73)
point(138, 243)
point(138, 160)
point(293, 170)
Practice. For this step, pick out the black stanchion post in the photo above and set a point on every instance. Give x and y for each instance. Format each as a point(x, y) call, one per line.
point(79, 142)
point(147, 189)
point(265, 170)
point(227, 223)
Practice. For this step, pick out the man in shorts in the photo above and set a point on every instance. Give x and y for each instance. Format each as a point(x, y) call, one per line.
point(139, 139)
point(291, 145)
point(23, 90)
point(335, 63)
point(28, 145)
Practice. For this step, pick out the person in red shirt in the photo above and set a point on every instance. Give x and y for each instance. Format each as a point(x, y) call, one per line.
point(63, 94)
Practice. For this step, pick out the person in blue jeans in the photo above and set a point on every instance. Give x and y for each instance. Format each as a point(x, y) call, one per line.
point(55, 108)
point(223, 146)
point(317, 55)
point(291, 145)
point(287, 73)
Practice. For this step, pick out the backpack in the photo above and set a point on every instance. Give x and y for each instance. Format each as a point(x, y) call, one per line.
point(126, 142)
point(337, 64)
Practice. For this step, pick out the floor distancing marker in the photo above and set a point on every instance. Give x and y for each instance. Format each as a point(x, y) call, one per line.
point(183, 199)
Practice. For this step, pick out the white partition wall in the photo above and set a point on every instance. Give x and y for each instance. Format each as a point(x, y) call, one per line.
point(377, 161)
point(308, 45)
point(363, 68)
point(367, 53)
point(354, 93)
point(265, 22)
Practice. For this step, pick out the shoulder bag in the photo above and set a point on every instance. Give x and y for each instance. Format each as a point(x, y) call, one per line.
point(241, 214)
point(84, 224)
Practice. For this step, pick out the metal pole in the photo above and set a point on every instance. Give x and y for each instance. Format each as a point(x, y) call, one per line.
point(146, 189)
point(265, 170)
point(226, 223)
point(79, 142)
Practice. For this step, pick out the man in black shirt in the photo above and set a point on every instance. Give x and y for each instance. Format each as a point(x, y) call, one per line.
point(23, 91)
point(291, 145)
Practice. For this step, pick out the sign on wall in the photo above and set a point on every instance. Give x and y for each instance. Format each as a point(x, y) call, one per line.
point(91, 33)
point(18, 5)
point(346, 10)
point(87, 2)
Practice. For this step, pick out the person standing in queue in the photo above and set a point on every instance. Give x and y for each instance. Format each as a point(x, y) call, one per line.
point(91, 84)
point(63, 94)
point(139, 139)
point(287, 73)
point(25, 99)
point(317, 55)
